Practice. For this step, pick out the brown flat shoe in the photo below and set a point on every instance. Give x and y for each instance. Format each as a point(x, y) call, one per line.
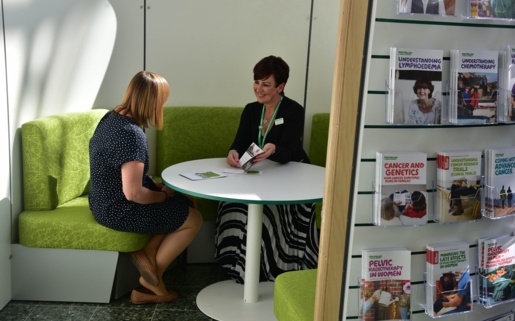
point(143, 296)
point(145, 268)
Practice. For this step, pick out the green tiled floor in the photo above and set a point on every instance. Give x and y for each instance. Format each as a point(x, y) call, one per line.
point(186, 279)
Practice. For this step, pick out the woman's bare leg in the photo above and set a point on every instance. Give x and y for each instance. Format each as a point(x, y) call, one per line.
point(169, 248)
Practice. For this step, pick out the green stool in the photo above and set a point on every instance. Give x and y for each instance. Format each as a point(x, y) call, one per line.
point(294, 295)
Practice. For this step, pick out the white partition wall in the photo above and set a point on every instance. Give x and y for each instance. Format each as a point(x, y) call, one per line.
point(128, 52)
point(207, 49)
point(5, 184)
point(388, 29)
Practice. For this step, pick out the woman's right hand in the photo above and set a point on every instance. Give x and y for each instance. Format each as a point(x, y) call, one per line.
point(233, 159)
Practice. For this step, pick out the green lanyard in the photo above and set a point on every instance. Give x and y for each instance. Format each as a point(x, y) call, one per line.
point(261, 139)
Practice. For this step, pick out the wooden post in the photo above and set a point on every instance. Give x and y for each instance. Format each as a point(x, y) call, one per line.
point(341, 153)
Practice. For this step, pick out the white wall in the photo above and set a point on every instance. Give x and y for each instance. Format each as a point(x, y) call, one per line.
point(57, 52)
point(206, 50)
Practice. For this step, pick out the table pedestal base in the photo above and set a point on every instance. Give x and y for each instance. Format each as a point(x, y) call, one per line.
point(224, 301)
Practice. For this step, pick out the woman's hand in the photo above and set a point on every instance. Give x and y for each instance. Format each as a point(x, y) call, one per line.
point(159, 185)
point(169, 192)
point(268, 150)
point(233, 159)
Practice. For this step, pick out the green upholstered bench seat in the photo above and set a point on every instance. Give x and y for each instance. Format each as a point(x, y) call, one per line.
point(72, 226)
point(294, 295)
point(56, 214)
point(191, 133)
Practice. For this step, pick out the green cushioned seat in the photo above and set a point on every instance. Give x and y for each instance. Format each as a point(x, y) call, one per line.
point(294, 295)
point(72, 226)
point(55, 151)
point(318, 149)
point(191, 133)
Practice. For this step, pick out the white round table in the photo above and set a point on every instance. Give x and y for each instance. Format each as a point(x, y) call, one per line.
point(291, 183)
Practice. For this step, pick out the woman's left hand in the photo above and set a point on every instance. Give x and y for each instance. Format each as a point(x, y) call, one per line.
point(159, 185)
point(268, 149)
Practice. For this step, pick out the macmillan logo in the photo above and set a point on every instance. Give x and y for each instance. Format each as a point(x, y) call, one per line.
point(391, 157)
point(467, 54)
point(405, 53)
point(375, 257)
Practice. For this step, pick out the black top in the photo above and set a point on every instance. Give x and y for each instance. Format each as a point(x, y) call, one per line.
point(118, 140)
point(287, 137)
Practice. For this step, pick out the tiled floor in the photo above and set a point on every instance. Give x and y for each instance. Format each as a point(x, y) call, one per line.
point(186, 279)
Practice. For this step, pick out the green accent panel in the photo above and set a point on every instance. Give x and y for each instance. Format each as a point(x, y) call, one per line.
point(294, 295)
point(191, 133)
point(318, 149)
point(56, 158)
point(72, 226)
point(319, 136)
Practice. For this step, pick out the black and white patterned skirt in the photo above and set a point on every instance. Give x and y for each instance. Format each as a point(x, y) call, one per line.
point(289, 239)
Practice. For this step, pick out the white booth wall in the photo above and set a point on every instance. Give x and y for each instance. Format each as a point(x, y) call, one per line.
point(206, 50)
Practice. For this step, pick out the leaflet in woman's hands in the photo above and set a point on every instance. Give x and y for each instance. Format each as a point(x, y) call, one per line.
point(246, 160)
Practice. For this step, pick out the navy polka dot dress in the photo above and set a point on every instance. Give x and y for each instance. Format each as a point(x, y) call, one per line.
point(116, 141)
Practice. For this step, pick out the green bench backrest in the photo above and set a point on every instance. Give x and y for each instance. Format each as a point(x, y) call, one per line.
point(191, 133)
point(55, 152)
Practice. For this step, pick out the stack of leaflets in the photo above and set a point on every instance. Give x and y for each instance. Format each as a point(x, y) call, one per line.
point(506, 90)
point(448, 286)
point(474, 77)
point(488, 9)
point(415, 87)
point(401, 189)
point(385, 288)
point(458, 186)
point(499, 179)
point(496, 269)
point(433, 7)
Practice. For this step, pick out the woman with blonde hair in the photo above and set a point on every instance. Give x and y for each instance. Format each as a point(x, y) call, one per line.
point(124, 198)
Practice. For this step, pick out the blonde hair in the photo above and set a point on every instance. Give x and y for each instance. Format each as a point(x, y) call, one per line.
point(145, 98)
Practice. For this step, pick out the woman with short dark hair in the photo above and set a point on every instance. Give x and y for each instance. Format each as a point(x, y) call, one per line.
point(290, 237)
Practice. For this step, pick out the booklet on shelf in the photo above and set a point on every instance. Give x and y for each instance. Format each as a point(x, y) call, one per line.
point(499, 180)
point(496, 269)
point(474, 80)
point(202, 175)
point(447, 276)
point(400, 189)
point(488, 9)
point(246, 159)
point(441, 8)
point(506, 90)
point(415, 86)
point(385, 286)
point(458, 186)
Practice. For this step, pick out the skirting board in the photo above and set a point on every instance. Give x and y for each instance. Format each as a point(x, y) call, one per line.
point(62, 275)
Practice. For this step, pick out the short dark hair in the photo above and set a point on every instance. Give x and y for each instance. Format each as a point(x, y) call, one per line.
point(272, 65)
point(423, 83)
